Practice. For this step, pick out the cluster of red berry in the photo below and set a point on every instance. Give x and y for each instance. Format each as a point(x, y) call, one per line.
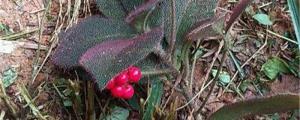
point(120, 86)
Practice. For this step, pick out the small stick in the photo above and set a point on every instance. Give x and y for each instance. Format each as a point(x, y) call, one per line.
point(282, 37)
point(17, 35)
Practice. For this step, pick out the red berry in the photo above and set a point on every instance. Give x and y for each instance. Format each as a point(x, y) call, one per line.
point(128, 91)
point(121, 79)
point(134, 74)
point(117, 91)
point(111, 84)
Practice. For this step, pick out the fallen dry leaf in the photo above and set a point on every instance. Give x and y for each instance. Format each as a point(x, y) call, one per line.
point(288, 83)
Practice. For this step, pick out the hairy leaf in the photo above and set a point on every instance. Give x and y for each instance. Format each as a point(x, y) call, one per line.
point(207, 28)
point(130, 5)
point(153, 99)
point(79, 38)
point(140, 9)
point(111, 8)
point(197, 10)
point(236, 12)
point(149, 19)
point(278, 103)
point(108, 58)
point(173, 9)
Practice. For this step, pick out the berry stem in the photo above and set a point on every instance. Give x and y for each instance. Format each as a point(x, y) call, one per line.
point(157, 72)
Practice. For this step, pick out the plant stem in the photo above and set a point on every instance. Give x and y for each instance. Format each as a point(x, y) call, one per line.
point(90, 101)
point(156, 72)
point(7, 100)
point(173, 30)
point(215, 78)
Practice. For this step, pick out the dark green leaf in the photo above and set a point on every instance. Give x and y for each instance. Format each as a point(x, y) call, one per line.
point(105, 60)
point(130, 5)
point(278, 103)
point(117, 113)
point(197, 11)
point(180, 8)
point(9, 77)
point(274, 66)
point(78, 39)
point(132, 15)
point(67, 103)
point(111, 8)
point(153, 99)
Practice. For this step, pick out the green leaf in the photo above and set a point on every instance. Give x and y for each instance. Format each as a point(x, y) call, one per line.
point(153, 99)
point(117, 113)
point(9, 76)
point(79, 38)
point(67, 103)
point(4, 28)
point(224, 77)
point(273, 104)
point(274, 66)
point(105, 60)
point(111, 8)
point(134, 102)
point(244, 85)
point(263, 19)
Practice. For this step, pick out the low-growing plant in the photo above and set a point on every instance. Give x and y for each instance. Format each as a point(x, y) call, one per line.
point(154, 36)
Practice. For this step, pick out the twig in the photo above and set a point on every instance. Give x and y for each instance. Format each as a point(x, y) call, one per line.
point(193, 67)
point(246, 62)
point(2, 114)
point(204, 86)
point(214, 81)
point(7, 100)
point(282, 37)
point(193, 98)
point(54, 38)
point(17, 35)
point(41, 25)
point(28, 100)
point(177, 81)
point(237, 65)
point(212, 64)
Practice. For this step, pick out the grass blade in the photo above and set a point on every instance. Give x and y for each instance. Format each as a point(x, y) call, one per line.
point(294, 9)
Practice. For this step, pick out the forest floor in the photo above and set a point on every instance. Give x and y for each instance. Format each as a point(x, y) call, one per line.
point(34, 87)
